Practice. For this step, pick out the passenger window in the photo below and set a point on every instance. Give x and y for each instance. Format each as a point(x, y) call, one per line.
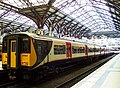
point(81, 50)
point(59, 49)
point(77, 49)
point(90, 50)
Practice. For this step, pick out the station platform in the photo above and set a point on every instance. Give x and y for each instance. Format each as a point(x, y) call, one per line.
point(1, 65)
point(107, 76)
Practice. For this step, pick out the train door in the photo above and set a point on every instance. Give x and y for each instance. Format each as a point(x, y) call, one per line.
point(100, 50)
point(13, 53)
point(68, 52)
point(86, 50)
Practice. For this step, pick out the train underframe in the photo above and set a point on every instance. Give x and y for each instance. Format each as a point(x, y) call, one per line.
point(55, 67)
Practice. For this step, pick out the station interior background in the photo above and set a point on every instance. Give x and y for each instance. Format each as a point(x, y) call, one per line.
point(95, 21)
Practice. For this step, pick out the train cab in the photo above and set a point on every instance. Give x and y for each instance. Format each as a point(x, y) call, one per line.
point(16, 51)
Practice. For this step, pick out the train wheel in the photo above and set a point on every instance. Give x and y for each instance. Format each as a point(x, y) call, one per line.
point(35, 76)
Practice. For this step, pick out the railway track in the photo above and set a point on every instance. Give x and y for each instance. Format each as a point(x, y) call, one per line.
point(5, 84)
point(14, 84)
point(68, 83)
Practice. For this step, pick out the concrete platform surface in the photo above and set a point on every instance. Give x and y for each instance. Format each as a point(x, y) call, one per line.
point(1, 65)
point(107, 76)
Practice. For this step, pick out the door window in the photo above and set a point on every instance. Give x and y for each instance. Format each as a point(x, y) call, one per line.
point(13, 46)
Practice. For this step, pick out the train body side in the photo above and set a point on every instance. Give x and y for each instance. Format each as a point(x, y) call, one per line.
point(42, 51)
point(61, 52)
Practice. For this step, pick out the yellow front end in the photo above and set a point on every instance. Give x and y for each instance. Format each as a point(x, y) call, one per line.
point(25, 59)
point(4, 60)
point(29, 59)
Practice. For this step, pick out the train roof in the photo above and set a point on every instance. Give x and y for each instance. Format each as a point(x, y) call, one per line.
point(43, 37)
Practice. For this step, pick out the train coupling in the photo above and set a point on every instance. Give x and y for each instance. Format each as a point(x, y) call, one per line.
point(12, 75)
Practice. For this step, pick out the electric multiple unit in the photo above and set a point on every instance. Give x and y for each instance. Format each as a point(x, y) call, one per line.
point(24, 53)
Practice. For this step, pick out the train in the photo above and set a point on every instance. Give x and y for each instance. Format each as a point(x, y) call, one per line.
point(0, 51)
point(28, 54)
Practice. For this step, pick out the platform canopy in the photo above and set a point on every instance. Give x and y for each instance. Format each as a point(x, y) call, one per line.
point(75, 18)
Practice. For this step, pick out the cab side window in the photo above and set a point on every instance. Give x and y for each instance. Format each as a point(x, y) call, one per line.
point(25, 45)
point(4, 49)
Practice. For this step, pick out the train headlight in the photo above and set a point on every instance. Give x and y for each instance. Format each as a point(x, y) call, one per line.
point(6, 56)
point(5, 62)
point(24, 63)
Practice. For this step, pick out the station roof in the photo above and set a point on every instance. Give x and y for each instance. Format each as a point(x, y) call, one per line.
point(74, 17)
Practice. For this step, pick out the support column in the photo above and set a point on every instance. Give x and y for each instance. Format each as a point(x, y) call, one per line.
point(0, 33)
point(50, 31)
point(1, 27)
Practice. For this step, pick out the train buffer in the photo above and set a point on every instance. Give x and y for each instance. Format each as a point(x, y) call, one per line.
point(2, 71)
